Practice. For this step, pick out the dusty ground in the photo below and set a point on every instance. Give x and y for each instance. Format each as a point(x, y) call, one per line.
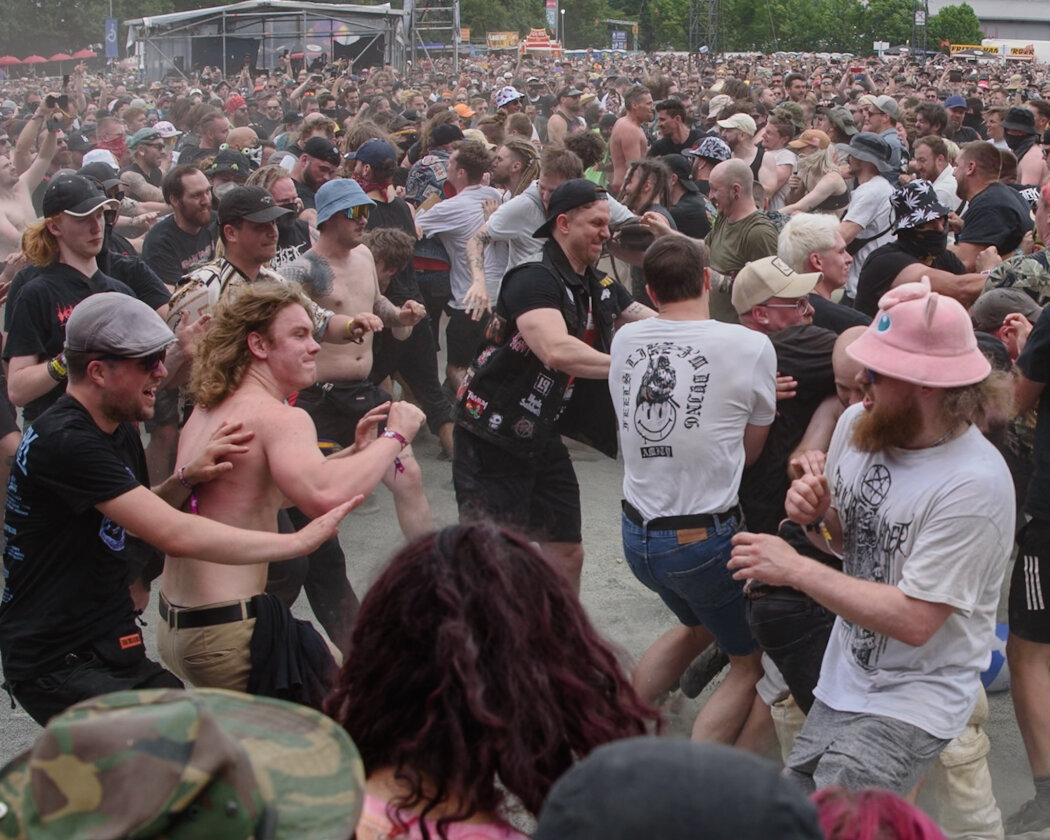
point(622, 608)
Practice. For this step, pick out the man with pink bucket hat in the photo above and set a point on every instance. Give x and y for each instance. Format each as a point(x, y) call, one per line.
point(921, 509)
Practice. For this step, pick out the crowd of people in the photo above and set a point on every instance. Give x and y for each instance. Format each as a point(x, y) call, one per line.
point(801, 297)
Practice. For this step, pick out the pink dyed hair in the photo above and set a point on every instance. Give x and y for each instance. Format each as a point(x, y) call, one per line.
point(871, 815)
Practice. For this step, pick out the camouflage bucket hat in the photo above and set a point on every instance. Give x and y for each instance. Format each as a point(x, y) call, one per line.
point(184, 765)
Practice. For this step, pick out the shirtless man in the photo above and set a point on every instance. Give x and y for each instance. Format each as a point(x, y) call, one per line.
point(142, 179)
point(16, 191)
point(340, 275)
point(217, 629)
point(628, 141)
point(738, 130)
point(566, 118)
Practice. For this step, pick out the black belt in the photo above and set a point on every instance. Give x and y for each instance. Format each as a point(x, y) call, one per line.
point(179, 618)
point(677, 523)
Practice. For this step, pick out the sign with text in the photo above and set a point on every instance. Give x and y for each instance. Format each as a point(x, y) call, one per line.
point(552, 15)
point(502, 40)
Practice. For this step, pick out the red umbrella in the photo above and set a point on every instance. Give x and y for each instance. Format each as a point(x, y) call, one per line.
point(61, 57)
point(34, 59)
point(85, 53)
point(9, 60)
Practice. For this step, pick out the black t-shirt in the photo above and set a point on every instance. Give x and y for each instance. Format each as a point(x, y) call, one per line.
point(882, 267)
point(690, 216)
point(536, 288)
point(154, 177)
point(804, 352)
point(173, 253)
point(292, 243)
point(997, 216)
point(66, 564)
point(396, 214)
point(306, 195)
point(667, 146)
point(38, 315)
point(834, 316)
point(1034, 363)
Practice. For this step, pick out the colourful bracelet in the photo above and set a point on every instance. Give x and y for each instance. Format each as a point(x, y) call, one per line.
point(180, 474)
point(390, 433)
point(56, 368)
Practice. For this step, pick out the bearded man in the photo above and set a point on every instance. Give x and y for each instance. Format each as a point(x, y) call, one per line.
point(920, 507)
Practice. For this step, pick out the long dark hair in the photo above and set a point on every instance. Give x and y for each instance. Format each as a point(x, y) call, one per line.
point(472, 659)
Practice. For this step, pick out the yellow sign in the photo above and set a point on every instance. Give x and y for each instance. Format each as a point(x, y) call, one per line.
point(960, 47)
point(464, 34)
point(1022, 50)
point(501, 40)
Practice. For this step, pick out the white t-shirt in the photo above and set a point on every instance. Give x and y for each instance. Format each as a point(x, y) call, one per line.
point(938, 524)
point(869, 207)
point(683, 392)
point(946, 188)
point(783, 157)
point(454, 221)
point(516, 220)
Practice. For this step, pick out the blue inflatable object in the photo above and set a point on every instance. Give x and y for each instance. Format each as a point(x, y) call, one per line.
point(996, 677)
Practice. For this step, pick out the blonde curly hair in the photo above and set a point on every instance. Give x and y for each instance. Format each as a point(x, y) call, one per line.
point(222, 357)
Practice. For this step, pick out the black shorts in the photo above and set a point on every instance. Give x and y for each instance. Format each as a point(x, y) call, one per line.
point(539, 497)
point(165, 409)
point(336, 408)
point(1030, 584)
point(463, 337)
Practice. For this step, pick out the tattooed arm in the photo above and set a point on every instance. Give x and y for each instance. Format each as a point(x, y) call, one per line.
point(635, 312)
point(476, 300)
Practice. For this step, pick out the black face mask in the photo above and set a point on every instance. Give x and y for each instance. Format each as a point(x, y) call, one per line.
point(923, 244)
point(1014, 141)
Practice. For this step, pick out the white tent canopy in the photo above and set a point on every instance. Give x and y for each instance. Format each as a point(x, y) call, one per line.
point(262, 29)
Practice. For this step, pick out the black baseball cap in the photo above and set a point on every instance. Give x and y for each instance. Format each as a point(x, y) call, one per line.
point(231, 162)
point(78, 141)
point(576, 192)
point(444, 134)
point(105, 174)
point(75, 195)
point(684, 170)
point(323, 149)
point(254, 204)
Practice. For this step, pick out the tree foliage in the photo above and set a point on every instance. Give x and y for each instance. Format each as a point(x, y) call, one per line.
point(957, 24)
point(48, 26)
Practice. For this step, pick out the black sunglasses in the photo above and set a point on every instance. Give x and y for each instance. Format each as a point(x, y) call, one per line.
point(148, 363)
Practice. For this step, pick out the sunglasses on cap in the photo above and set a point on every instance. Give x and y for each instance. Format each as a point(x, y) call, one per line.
point(358, 212)
point(870, 376)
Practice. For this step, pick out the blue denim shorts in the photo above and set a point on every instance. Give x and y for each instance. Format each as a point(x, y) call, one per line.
point(687, 569)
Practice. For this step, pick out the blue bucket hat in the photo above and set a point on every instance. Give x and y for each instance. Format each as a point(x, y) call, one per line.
point(337, 195)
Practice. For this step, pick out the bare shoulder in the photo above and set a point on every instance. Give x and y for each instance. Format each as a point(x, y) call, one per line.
point(313, 272)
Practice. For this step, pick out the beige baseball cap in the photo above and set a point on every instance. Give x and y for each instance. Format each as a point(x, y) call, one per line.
point(767, 278)
point(740, 121)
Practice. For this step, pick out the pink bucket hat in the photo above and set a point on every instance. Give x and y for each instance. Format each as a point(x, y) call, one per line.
point(921, 337)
